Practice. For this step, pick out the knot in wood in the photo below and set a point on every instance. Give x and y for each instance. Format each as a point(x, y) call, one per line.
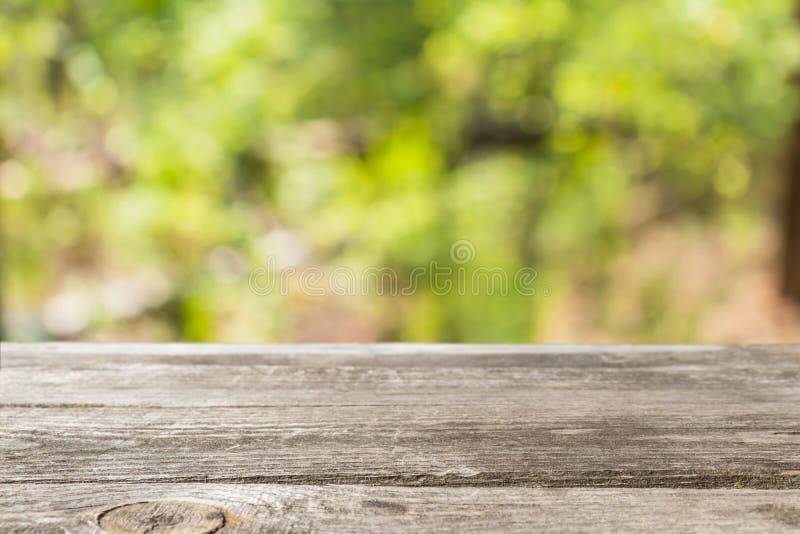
point(161, 517)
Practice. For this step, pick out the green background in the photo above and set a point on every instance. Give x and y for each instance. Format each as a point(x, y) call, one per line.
point(153, 153)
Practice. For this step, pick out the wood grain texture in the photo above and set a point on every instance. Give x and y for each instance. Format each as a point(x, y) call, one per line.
point(249, 508)
point(162, 516)
point(429, 415)
point(149, 438)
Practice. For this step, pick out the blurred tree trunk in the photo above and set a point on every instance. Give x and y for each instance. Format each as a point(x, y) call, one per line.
point(791, 265)
point(2, 272)
point(791, 258)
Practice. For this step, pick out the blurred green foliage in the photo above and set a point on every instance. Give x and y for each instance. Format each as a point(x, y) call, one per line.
point(154, 152)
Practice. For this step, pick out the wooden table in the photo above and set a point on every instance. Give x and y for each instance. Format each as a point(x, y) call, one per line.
point(250, 438)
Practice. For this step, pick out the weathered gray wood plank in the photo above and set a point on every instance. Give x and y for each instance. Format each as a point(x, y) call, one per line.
point(192, 375)
point(431, 415)
point(75, 508)
point(476, 445)
point(389, 354)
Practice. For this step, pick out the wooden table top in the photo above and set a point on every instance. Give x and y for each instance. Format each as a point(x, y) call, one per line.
point(255, 438)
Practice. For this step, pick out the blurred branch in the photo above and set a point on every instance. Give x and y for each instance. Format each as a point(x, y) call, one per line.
point(488, 133)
